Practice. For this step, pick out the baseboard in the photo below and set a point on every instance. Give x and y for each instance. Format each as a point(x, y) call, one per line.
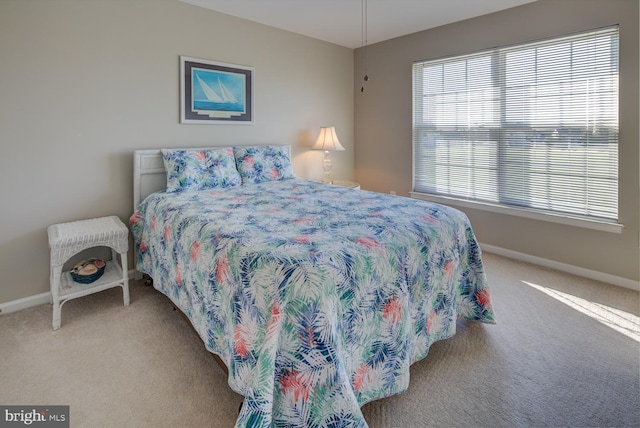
point(24, 303)
point(44, 298)
point(37, 300)
point(564, 267)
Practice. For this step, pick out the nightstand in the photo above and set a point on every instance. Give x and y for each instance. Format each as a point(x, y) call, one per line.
point(345, 183)
point(68, 239)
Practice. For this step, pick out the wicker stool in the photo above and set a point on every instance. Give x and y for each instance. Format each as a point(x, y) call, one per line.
point(68, 239)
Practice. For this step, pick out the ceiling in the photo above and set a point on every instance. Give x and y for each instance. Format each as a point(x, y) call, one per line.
point(341, 21)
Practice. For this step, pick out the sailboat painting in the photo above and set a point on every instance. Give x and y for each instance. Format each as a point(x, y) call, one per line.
point(215, 92)
point(216, 96)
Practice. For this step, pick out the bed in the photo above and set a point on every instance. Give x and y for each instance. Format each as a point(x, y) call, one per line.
point(316, 297)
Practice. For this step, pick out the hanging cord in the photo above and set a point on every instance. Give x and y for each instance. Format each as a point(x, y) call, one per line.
point(365, 42)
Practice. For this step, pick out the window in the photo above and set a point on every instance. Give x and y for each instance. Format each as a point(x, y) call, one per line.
point(532, 126)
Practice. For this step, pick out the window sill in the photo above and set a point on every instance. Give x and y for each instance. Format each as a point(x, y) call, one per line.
point(520, 212)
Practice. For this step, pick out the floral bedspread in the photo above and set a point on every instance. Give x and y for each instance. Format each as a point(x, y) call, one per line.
point(314, 308)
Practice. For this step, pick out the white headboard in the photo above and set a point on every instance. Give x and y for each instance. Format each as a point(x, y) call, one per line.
point(150, 176)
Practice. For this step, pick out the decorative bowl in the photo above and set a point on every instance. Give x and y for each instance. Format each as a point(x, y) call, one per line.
point(88, 271)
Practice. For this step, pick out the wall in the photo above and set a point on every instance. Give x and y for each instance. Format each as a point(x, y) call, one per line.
point(85, 82)
point(383, 122)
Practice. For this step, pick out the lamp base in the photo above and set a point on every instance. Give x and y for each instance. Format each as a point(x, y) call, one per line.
point(326, 167)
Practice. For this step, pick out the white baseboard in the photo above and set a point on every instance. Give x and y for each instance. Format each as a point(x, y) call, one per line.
point(44, 298)
point(564, 267)
point(24, 303)
point(38, 299)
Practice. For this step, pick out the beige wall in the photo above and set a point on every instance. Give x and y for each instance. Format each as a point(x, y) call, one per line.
point(383, 120)
point(85, 82)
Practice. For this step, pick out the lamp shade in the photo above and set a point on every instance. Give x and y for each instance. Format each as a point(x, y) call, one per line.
point(328, 140)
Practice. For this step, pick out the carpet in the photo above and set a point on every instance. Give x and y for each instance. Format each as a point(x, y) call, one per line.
point(565, 352)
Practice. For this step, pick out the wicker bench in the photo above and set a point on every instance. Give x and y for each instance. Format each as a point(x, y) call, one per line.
point(68, 239)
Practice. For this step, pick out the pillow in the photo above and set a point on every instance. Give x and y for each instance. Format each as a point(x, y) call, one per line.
point(257, 164)
point(200, 169)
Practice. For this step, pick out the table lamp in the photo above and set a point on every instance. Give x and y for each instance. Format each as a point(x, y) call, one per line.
point(327, 141)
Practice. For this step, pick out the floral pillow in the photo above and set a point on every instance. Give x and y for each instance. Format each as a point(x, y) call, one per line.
point(258, 164)
point(200, 169)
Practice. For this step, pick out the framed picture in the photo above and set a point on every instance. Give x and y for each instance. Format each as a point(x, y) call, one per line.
point(215, 92)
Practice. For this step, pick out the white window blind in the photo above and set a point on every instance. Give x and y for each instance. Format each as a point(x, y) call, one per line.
point(532, 126)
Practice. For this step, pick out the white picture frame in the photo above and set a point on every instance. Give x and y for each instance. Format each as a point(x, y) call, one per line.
point(214, 92)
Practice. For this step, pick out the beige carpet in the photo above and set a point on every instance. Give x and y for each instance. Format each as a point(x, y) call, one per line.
point(547, 362)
